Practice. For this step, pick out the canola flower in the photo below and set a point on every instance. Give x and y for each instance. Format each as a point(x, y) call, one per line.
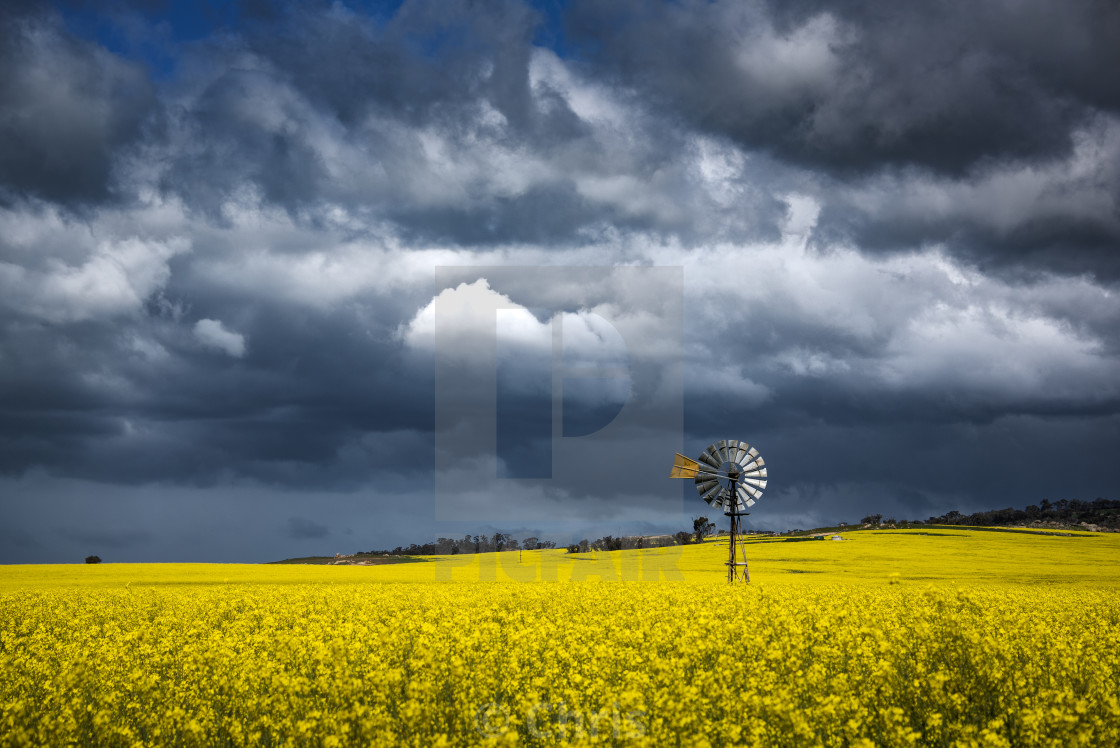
point(327, 657)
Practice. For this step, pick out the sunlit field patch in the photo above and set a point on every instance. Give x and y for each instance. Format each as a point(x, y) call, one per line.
point(894, 638)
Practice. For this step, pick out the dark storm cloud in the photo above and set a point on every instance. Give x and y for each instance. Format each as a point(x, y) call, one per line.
point(1057, 216)
point(433, 120)
point(890, 99)
point(301, 528)
point(15, 537)
point(1067, 244)
point(236, 147)
point(857, 86)
point(114, 539)
point(899, 227)
point(292, 411)
point(839, 470)
point(427, 61)
point(1065, 46)
point(68, 108)
point(320, 75)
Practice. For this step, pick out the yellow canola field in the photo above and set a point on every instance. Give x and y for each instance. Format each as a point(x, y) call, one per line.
point(886, 645)
point(958, 555)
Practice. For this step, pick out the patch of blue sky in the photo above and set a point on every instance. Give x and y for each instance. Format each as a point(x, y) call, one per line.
point(153, 33)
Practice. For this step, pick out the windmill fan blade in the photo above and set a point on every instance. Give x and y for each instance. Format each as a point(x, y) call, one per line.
point(709, 474)
point(710, 493)
point(755, 472)
point(750, 503)
point(713, 456)
point(704, 486)
point(755, 482)
point(709, 459)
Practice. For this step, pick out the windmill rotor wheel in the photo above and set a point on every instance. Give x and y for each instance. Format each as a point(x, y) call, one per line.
point(731, 476)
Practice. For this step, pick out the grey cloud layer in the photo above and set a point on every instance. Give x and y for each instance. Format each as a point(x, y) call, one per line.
point(990, 128)
point(68, 107)
point(453, 130)
point(857, 85)
point(899, 229)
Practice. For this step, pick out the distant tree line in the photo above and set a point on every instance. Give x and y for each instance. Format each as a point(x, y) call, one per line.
point(701, 528)
point(1102, 512)
point(502, 541)
point(499, 541)
point(611, 543)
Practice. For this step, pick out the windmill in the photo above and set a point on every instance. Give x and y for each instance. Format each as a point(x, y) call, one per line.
point(729, 475)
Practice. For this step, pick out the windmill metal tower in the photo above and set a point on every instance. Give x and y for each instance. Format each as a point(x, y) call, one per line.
point(729, 475)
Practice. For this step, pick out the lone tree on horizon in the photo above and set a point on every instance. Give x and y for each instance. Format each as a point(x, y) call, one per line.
point(702, 528)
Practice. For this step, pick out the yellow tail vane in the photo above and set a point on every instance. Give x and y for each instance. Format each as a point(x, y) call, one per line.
point(683, 467)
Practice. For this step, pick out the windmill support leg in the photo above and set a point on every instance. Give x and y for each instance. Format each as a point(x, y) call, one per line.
point(737, 570)
point(731, 552)
point(736, 546)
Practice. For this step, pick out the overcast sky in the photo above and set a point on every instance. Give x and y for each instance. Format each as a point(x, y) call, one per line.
point(895, 229)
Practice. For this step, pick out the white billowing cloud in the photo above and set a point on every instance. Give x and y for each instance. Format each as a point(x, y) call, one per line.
point(476, 322)
point(265, 253)
point(58, 269)
point(630, 195)
point(320, 277)
point(993, 349)
point(789, 66)
point(804, 362)
point(763, 316)
point(114, 278)
point(467, 317)
point(802, 215)
point(213, 334)
point(590, 341)
point(760, 316)
point(146, 349)
point(590, 100)
point(719, 166)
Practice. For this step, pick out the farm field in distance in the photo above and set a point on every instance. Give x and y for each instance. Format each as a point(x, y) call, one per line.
point(890, 637)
